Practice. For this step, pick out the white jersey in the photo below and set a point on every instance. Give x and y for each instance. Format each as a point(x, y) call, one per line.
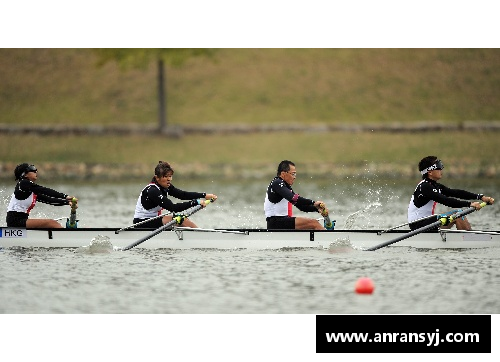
point(24, 206)
point(280, 197)
point(281, 208)
point(415, 213)
point(141, 212)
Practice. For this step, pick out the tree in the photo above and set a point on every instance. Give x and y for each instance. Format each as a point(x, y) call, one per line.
point(141, 58)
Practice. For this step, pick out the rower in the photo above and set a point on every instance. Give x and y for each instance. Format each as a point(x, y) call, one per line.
point(25, 196)
point(279, 200)
point(154, 198)
point(429, 192)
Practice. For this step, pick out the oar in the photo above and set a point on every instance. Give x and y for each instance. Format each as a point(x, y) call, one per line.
point(442, 221)
point(175, 219)
point(141, 222)
point(408, 223)
point(222, 231)
point(71, 223)
point(329, 225)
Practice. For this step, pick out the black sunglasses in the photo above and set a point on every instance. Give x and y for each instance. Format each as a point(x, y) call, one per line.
point(31, 168)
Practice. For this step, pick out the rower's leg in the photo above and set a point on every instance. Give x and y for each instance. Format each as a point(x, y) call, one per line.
point(305, 223)
point(463, 224)
point(42, 223)
point(187, 223)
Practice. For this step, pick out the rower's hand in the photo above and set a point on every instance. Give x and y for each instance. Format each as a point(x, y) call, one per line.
point(205, 202)
point(476, 205)
point(212, 197)
point(72, 200)
point(320, 205)
point(488, 199)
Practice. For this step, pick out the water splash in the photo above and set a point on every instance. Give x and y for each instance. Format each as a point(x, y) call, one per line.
point(98, 245)
point(362, 216)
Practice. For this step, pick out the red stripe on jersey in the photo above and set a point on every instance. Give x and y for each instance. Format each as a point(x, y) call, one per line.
point(32, 204)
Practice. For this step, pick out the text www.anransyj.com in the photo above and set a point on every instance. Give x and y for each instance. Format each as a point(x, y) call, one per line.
point(430, 339)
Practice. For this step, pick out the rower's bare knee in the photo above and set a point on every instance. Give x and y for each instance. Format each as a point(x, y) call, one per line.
point(188, 224)
point(305, 223)
point(463, 224)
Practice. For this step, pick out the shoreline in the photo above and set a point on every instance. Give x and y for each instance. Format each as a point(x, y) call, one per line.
point(125, 172)
point(178, 131)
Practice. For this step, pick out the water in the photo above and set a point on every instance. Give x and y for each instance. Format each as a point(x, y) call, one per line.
point(293, 281)
point(39, 282)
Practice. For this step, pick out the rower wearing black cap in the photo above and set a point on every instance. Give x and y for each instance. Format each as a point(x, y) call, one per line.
point(25, 196)
point(429, 192)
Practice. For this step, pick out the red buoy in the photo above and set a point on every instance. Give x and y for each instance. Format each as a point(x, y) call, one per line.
point(364, 286)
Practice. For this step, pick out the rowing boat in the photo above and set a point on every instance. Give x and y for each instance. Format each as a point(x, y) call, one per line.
point(186, 238)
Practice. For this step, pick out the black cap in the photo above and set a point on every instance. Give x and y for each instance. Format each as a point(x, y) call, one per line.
point(22, 169)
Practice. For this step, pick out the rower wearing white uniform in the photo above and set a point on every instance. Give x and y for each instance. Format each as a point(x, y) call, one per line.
point(429, 192)
point(154, 198)
point(279, 200)
point(25, 196)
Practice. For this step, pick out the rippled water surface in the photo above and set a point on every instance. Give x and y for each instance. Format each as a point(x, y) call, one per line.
point(260, 282)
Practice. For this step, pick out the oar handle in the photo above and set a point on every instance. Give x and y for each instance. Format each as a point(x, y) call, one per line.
point(448, 220)
point(422, 219)
point(328, 224)
point(71, 223)
point(74, 202)
point(441, 222)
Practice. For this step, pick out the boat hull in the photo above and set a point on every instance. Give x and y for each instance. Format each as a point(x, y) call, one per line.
point(245, 238)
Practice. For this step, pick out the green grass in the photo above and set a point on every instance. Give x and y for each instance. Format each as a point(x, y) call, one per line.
point(48, 86)
point(256, 86)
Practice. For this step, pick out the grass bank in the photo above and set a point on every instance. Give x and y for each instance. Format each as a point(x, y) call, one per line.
point(326, 154)
point(254, 86)
point(51, 86)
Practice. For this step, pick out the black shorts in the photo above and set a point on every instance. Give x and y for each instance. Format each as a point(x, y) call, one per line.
point(153, 224)
point(281, 222)
point(16, 219)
